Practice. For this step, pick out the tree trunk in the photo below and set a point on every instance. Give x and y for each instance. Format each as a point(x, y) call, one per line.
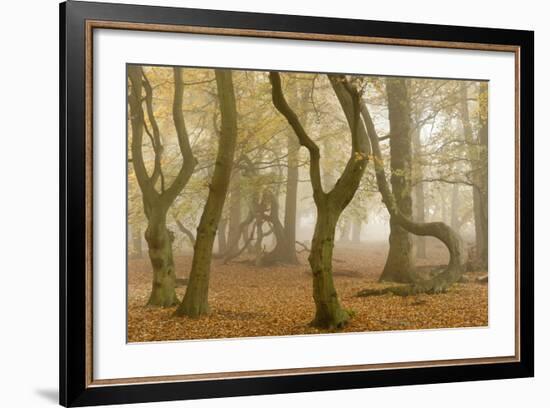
point(454, 208)
point(478, 164)
point(159, 240)
point(356, 231)
point(484, 171)
point(222, 242)
point(419, 205)
point(284, 250)
point(156, 204)
point(328, 312)
point(137, 242)
point(399, 264)
point(195, 301)
point(291, 201)
point(234, 234)
point(344, 232)
point(439, 230)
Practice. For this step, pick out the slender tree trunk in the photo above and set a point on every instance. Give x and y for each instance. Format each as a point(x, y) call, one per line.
point(344, 232)
point(478, 173)
point(454, 208)
point(281, 252)
point(137, 242)
point(399, 263)
point(234, 234)
point(222, 242)
point(291, 199)
point(419, 205)
point(195, 301)
point(484, 171)
point(356, 231)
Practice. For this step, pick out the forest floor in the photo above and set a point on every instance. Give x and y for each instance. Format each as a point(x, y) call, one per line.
point(247, 301)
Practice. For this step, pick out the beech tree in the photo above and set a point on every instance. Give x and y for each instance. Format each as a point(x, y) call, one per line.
point(328, 311)
point(453, 272)
point(400, 260)
point(157, 197)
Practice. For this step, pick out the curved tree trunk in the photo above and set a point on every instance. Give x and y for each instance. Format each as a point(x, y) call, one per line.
point(328, 312)
point(399, 263)
point(439, 230)
point(195, 301)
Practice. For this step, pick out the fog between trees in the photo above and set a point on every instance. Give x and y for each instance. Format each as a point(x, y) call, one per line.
point(234, 166)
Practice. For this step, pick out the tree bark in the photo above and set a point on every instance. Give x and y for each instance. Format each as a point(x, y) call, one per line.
point(328, 312)
point(400, 262)
point(195, 301)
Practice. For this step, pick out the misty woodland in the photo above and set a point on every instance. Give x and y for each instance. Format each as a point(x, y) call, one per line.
point(279, 203)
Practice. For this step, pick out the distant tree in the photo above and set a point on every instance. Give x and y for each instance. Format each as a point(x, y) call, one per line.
point(400, 260)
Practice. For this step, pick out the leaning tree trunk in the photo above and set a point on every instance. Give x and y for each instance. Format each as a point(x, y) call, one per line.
point(400, 262)
point(195, 301)
point(453, 272)
point(329, 314)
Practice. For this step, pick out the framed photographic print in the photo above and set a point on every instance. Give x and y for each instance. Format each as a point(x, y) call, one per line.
point(256, 203)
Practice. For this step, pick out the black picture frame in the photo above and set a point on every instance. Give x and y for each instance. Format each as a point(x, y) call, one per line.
point(75, 389)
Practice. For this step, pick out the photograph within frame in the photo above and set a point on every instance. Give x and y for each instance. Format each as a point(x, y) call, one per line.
point(435, 145)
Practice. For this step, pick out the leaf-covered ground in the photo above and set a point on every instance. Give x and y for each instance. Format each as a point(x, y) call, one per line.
point(248, 301)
